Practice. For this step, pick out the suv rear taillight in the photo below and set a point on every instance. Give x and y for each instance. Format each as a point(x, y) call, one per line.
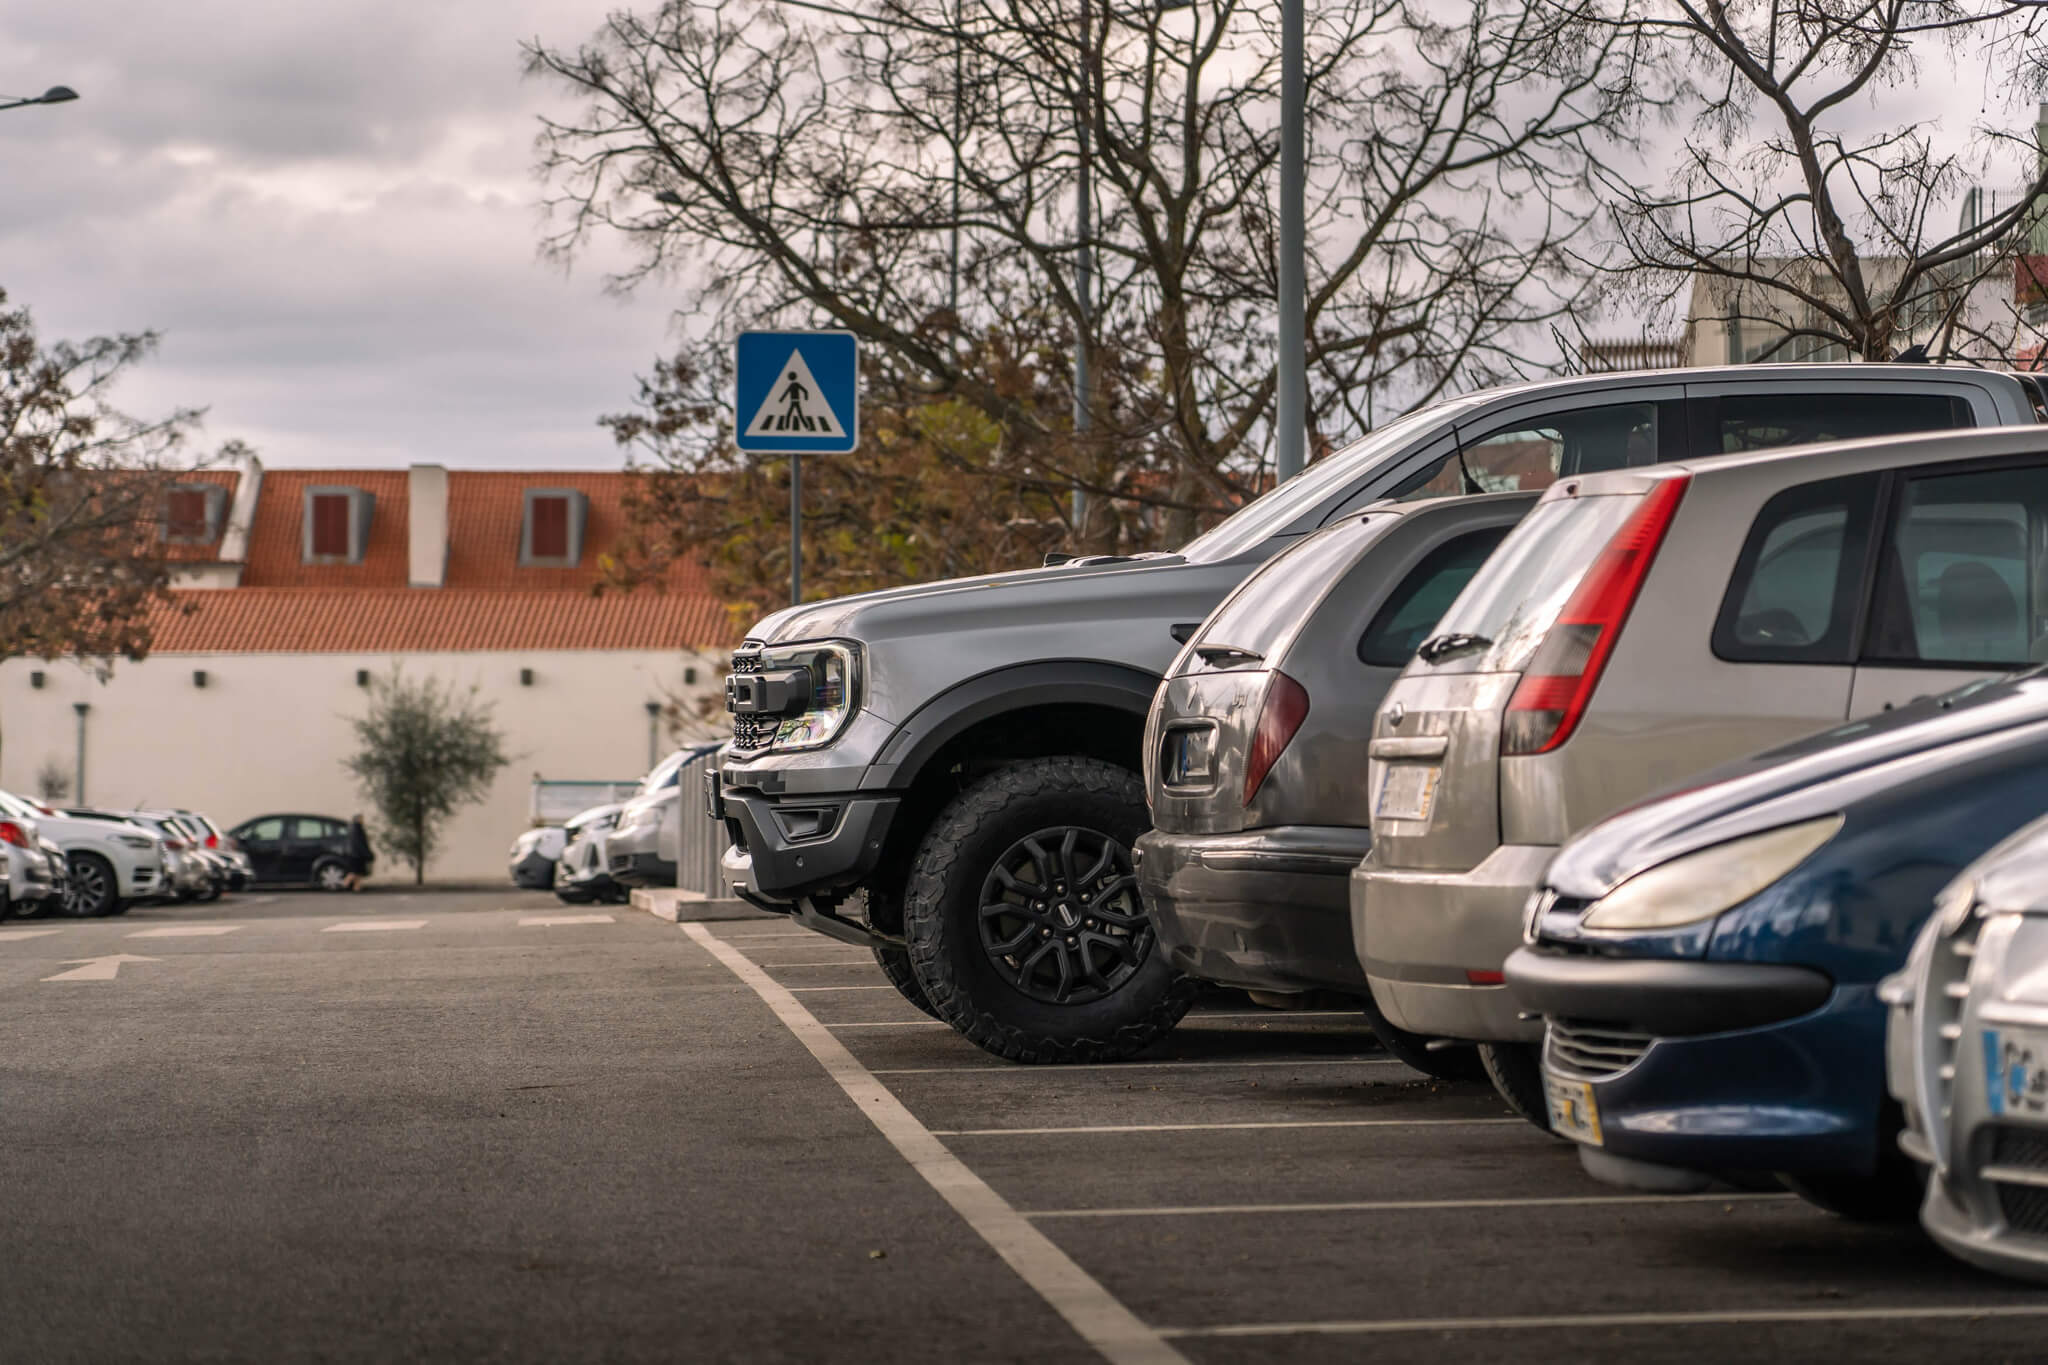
point(213, 841)
point(1559, 681)
point(12, 833)
point(1280, 715)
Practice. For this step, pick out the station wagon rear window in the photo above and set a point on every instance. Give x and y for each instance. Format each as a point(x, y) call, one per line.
point(1512, 600)
point(1273, 601)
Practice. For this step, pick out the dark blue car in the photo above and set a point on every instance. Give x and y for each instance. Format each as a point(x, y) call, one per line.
point(1708, 962)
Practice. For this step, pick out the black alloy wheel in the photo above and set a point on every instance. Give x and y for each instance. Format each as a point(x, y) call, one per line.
point(1060, 916)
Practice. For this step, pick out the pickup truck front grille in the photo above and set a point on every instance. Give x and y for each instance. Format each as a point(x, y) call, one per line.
point(750, 733)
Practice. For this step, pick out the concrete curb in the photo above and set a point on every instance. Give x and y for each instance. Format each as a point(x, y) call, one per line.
point(676, 906)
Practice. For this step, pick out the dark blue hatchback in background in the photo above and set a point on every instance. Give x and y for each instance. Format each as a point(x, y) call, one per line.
point(1707, 963)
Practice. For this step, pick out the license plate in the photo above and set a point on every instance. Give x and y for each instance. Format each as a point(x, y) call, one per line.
point(2016, 1072)
point(1574, 1113)
point(1407, 791)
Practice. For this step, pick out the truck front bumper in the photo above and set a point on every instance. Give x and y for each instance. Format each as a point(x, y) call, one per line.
point(1261, 910)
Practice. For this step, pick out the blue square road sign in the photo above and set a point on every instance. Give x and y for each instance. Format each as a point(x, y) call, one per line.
point(796, 393)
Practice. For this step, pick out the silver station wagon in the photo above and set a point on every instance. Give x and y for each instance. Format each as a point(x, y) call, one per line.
point(1256, 739)
point(1644, 625)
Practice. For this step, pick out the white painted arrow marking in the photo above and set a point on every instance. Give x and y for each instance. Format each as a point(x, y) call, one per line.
point(186, 931)
point(543, 921)
point(16, 935)
point(371, 926)
point(97, 968)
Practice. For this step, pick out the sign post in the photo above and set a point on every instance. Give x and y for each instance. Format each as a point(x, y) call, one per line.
point(796, 394)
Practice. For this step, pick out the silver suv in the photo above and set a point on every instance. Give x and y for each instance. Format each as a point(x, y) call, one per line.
point(1639, 627)
point(1252, 748)
point(949, 773)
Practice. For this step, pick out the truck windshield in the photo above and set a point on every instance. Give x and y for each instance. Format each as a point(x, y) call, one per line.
point(1509, 604)
point(1325, 480)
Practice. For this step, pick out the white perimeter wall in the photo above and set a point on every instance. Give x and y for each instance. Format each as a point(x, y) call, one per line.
point(269, 732)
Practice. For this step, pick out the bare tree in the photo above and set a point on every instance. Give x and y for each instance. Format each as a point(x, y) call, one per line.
point(910, 172)
point(85, 553)
point(1805, 227)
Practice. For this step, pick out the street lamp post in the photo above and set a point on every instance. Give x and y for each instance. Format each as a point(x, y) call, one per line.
point(1290, 417)
point(56, 94)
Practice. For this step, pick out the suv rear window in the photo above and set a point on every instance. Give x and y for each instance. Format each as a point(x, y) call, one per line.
point(1274, 600)
point(1411, 611)
point(1518, 592)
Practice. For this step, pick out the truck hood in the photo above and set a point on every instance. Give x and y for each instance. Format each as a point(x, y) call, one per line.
point(1807, 778)
point(877, 615)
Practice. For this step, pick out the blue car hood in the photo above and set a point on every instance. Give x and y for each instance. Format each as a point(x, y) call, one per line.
point(1798, 781)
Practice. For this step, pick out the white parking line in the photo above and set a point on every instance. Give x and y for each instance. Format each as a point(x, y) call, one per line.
point(1219, 1127)
point(1100, 1319)
point(1274, 1016)
point(864, 960)
point(373, 926)
point(1413, 1205)
point(767, 934)
point(185, 931)
point(547, 921)
point(1733, 1316)
point(1040, 1071)
point(16, 935)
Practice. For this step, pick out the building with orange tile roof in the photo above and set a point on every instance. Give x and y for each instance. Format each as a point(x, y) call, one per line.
point(293, 586)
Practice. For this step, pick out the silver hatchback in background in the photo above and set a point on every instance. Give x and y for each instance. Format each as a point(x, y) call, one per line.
point(1256, 740)
point(1642, 626)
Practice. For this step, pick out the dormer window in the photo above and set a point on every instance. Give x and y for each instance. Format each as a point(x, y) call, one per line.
point(551, 533)
point(192, 513)
point(337, 525)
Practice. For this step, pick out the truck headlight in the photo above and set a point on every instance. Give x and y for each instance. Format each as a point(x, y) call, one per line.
point(807, 692)
point(1701, 885)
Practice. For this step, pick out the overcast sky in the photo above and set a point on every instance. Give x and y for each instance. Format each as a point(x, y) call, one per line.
point(328, 211)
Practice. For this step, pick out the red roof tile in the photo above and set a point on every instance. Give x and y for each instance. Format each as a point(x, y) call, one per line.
point(404, 620)
point(185, 553)
point(486, 512)
point(277, 540)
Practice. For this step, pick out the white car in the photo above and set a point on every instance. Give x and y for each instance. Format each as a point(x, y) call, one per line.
point(583, 872)
point(1966, 1056)
point(31, 867)
point(534, 854)
point(110, 862)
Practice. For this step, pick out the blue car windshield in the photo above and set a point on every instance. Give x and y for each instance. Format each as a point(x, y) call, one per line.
point(1278, 509)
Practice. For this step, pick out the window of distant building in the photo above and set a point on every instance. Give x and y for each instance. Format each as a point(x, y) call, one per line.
point(551, 531)
point(192, 513)
point(337, 525)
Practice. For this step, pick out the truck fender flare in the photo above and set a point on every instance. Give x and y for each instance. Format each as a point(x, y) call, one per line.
point(966, 704)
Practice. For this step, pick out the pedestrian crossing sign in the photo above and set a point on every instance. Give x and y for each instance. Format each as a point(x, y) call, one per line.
point(797, 393)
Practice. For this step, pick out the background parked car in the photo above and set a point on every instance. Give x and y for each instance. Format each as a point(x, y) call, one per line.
point(1252, 754)
point(190, 873)
point(1707, 963)
point(1967, 1048)
point(534, 854)
point(1642, 626)
point(222, 844)
point(307, 849)
point(643, 847)
point(35, 873)
point(583, 872)
point(108, 863)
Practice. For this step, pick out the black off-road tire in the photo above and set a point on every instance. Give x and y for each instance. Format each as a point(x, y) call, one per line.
point(93, 888)
point(1459, 1063)
point(885, 913)
point(1516, 1070)
point(942, 917)
point(568, 895)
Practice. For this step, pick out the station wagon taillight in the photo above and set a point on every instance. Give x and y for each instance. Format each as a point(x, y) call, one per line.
point(12, 833)
point(1280, 715)
point(1559, 681)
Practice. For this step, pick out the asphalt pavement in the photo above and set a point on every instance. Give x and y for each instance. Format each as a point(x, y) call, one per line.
point(484, 1126)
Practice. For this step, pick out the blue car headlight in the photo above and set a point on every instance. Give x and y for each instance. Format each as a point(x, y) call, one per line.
point(1701, 885)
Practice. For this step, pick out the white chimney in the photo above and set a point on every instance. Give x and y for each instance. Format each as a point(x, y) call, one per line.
point(426, 516)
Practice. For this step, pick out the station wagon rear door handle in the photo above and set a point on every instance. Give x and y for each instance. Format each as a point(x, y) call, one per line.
point(1417, 746)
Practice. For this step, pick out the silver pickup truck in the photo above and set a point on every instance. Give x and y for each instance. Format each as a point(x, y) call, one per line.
point(949, 773)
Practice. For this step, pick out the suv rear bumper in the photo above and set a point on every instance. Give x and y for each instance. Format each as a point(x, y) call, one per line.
point(791, 847)
point(1263, 910)
point(1421, 935)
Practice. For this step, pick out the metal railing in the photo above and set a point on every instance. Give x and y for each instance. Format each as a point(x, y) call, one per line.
point(700, 840)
